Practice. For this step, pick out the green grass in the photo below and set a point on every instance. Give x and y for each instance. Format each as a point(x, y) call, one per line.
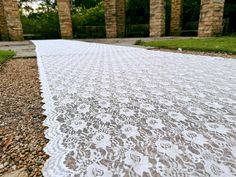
point(5, 55)
point(216, 44)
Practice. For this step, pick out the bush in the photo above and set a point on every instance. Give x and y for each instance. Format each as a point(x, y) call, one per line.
point(139, 30)
point(89, 22)
point(139, 42)
point(42, 25)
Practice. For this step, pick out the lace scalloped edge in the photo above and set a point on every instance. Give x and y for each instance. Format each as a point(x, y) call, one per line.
point(54, 163)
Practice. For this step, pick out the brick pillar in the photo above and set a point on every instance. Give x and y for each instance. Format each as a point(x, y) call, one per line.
point(120, 13)
point(3, 24)
point(176, 17)
point(110, 18)
point(64, 13)
point(157, 18)
point(211, 18)
point(11, 27)
point(115, 18)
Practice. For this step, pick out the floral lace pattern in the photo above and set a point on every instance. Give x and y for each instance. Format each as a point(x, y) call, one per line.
point(122, 111)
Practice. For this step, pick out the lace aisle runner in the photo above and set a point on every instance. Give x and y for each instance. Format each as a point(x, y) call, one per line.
point(122, 111)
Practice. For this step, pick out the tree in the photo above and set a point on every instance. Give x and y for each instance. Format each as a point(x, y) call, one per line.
point(85, 3)
point(34, 6)
point(137, 12)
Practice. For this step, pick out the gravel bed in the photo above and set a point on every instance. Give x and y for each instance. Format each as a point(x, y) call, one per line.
point(21, 131)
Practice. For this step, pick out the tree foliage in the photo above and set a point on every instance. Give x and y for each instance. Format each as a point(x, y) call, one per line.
point(137, 11)
point(42, 25)
point(85, 3)
point(89, 17)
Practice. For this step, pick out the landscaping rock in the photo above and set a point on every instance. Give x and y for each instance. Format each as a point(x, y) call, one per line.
point(18, 173)
point(21, 130)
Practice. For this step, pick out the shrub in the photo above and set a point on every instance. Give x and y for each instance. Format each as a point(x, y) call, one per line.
point(42, 25)
point(139, 42)
point(89, 23)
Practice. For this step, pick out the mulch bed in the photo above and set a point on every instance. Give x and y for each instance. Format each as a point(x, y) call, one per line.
point(21, 131)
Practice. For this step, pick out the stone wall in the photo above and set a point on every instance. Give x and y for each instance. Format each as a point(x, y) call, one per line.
point(11, 27)
point(157, 18)
point(64, 11)
point(211, 18)
point(176, 17)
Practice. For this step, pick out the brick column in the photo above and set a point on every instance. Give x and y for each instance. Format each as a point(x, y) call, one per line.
point(211, 18)
point(157, 18)
point(110, 18)
point(176, 17)
point(115, 18)
point(120, 15)
point(3, 24)
point(64, 12)
point(11, 27)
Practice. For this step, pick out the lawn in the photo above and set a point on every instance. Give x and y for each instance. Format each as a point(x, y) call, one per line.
point(5, 55)
point(216, 44)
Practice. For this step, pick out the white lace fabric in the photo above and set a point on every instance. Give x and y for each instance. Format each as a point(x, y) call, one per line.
point(123, 111)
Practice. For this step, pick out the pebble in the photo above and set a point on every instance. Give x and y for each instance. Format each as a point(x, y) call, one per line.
point(21, 116)
point(5, 164)
point(14, 167)
point(18, 173)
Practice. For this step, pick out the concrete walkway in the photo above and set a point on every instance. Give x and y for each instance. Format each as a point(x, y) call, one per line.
point(23, 49)
point(123, 111)
point(26, 49)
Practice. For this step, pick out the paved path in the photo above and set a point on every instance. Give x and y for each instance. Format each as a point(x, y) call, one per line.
point(23, 49)
point(122, 111)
